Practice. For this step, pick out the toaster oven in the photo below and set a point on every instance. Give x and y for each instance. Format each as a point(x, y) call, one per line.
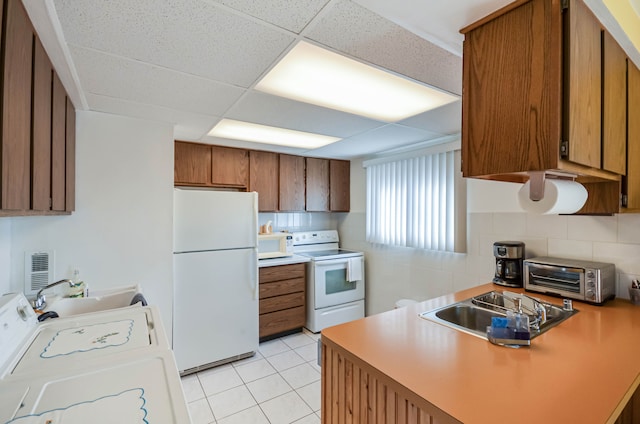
point(593, 282)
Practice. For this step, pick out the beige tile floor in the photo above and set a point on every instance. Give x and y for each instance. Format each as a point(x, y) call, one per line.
point(280, 384)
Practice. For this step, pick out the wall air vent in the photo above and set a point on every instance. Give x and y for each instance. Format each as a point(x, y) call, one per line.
point(38, 270)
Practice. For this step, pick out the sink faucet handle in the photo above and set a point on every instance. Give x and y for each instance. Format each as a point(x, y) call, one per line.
point(517, 303)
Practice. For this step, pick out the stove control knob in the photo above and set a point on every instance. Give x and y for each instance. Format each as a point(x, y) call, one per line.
point(591, 295)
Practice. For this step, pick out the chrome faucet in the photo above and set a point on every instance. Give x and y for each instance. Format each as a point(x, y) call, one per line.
point(41, 301)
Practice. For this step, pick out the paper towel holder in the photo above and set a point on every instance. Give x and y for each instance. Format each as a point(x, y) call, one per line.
point(536, 182)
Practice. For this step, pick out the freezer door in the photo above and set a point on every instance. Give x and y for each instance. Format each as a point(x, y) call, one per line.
point(215, 306)
point(214, 220)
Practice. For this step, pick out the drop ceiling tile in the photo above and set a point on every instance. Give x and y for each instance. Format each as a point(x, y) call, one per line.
point(446, 119)
point(267, 109)
point(117, 77)
point(378, 140)
point(292, 15)
point(192, 36)
point(356, 31)
point(187, 125)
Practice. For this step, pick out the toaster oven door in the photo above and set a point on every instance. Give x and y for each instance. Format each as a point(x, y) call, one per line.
point(555, 279)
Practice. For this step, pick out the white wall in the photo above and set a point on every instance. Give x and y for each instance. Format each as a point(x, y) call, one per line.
point(121, 231)
point(493, 215)
point(5, 255)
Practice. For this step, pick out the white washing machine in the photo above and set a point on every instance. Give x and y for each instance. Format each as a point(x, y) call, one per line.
point(105, 367)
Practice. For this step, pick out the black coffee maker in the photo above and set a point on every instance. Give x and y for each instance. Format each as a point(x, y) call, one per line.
point(509, 256)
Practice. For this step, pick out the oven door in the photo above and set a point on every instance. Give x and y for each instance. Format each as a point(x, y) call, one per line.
point(331, 285)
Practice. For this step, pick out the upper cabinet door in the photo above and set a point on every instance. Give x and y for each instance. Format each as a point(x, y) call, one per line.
point(229, 167)
point(317, 185)
point(70, 168)
point(633, 170)
point(583, 95)
point(614, 106)
point(339, 182)
point(512, 91)
point(41, 129)
point(292, 178)
point(263, 178)
point(58, 146)
point(16, 109)
point(192, 163)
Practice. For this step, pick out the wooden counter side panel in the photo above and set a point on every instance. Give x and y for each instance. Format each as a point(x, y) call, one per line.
point(353, 392)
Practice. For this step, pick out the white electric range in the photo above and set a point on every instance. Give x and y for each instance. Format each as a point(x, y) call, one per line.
point(335, 279)
point(103, 367)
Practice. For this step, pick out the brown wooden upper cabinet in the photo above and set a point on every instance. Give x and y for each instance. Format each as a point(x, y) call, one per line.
point(283, 182)
point(317, 185)
point(16, 108)
point(197, 164)
point(292, 183)
point(229, 167)
point(263, 178)
point(632, 180)
point(541, 91)
point(192, 163)
point(614, 108)
point(339, 183)
point(38, 124)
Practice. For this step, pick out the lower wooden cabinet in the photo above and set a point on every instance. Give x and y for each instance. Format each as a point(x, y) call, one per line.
point(282, 298)
point(355, 392)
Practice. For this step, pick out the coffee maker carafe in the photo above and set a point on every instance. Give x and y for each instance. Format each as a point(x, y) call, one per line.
point(509, 256)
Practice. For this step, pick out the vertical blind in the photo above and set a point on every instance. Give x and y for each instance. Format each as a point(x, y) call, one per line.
point(411, 202)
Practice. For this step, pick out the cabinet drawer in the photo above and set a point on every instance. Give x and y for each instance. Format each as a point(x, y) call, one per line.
point(281, 272)
point(279, 303)
point(277, 322)
point(279, 288)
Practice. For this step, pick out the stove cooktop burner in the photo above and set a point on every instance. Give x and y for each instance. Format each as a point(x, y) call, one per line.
point(329, 253)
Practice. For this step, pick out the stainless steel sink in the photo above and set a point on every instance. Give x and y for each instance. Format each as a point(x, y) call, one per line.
point(473, 315)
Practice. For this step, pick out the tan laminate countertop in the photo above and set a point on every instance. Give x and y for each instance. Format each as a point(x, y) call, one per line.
point(581, 371)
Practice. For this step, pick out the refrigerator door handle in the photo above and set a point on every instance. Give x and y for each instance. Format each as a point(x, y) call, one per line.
point(256, 289)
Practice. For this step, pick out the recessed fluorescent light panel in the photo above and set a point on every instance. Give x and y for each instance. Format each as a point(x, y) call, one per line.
point(238, 130)
point(314, 75)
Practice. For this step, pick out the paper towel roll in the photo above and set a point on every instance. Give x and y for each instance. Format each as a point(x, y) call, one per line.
point(560, 196)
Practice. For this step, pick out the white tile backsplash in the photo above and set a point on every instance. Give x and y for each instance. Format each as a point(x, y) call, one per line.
point(299, 221)
point(573, 249)
point(510, 224)
point(626, 256)
point(593, 228)
point(628, 228)
point(555, 226)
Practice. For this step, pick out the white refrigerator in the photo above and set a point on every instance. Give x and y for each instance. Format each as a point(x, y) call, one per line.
point(215, 277)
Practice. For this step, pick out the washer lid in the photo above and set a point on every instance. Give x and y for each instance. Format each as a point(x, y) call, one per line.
point(142, 390)
point(73, 343)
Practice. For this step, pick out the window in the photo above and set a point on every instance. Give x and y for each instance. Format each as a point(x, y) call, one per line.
point(417, 199)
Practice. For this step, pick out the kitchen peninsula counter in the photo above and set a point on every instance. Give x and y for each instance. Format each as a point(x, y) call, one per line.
point(396, 367)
